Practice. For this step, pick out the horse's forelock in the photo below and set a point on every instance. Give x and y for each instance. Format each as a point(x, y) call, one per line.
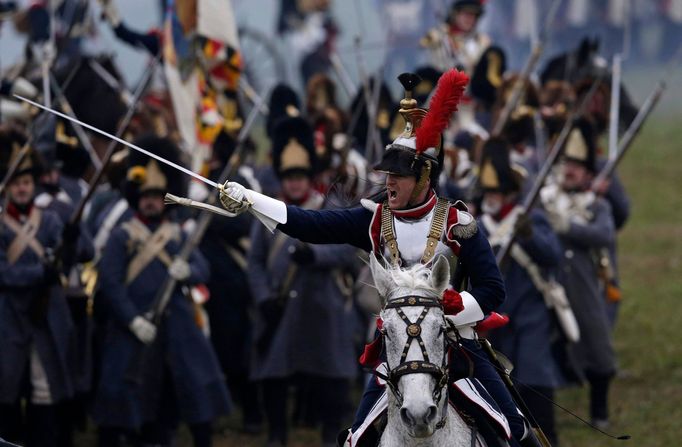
point(415, 279)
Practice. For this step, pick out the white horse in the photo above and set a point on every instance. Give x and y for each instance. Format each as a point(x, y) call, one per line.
point(414, 334)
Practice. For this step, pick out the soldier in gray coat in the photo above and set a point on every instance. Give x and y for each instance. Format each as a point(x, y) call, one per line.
point(585, 226)
point(302, 294)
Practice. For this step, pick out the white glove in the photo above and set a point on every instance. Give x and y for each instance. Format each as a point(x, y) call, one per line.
point(234, 198)
point(179, 269)
point(143, 329)
point(110, 11)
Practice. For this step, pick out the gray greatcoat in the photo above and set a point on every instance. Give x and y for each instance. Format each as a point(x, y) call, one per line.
point(317, 327)
point(526, 339)
point(579, 275)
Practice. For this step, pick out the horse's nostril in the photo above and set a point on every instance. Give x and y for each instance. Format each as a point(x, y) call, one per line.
point(406, 417)
point(430, 414)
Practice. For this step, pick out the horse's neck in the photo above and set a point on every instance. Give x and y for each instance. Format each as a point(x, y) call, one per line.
point(455, 433)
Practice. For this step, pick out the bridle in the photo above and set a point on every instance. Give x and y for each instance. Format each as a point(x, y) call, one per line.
point(425, 366)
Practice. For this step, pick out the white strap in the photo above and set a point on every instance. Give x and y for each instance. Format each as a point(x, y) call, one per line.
point(109, 222)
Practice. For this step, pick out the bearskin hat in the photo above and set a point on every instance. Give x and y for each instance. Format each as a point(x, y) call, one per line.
point(284, 102)
point(429, 78)
point(320, 94)
point(293, 148)
point(497, 172)
point(12, 139)
point(488, 76)
point(359, 115)
point(145, 174)
point(581, 146)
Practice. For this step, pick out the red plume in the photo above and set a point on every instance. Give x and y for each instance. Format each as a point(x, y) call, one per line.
point(444, 103)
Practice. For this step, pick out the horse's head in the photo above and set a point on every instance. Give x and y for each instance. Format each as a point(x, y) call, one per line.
point(414, 337)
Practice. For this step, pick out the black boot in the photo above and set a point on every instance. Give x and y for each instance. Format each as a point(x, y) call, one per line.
point(42, 426)
point(201, 434)
point(11, 423)
point(542, 409)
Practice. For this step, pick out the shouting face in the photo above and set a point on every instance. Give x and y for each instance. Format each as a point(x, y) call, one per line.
point(400, 189)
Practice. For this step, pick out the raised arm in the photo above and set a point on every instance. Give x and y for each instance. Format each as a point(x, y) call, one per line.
point(347, 226)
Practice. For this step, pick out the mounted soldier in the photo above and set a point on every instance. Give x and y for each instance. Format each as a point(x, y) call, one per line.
point(457, 42)
point(182, 380)
point(584, 224)
point(305, 329)
point(37, 346)
point(410, 225)
point(526, 340)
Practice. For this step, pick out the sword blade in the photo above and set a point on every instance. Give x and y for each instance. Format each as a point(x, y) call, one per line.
point(189, 172)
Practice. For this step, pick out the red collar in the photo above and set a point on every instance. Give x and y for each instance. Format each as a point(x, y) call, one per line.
point(16, 213)
point(148, 222)
point(506, 209)
point(419, 211)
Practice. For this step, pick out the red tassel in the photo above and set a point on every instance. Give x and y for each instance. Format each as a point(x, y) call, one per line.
point(449, 92)
point(452, 302)
point(371, 355)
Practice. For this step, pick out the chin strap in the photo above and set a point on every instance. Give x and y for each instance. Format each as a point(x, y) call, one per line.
point(421, 181)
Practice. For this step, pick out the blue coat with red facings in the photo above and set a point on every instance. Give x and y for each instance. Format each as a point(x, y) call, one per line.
point(352, 226)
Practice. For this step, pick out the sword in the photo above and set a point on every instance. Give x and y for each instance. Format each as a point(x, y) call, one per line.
point(261, 208)
point(189, 172)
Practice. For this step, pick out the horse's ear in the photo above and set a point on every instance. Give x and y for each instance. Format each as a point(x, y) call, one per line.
point(440, 274)
point(382, 278)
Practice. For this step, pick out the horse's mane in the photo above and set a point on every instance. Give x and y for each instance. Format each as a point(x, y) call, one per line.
point(417, 277)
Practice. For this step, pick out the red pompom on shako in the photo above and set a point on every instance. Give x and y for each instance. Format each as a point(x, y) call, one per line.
point(452, 302)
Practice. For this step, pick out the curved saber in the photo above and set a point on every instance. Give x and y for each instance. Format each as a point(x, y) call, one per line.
point(125, 143)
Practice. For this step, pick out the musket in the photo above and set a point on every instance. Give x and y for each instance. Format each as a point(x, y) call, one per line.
point(504, 370)
point(552, 157)
point(112, 82)
point(614, 112)
point(342, 74)
point(628, 137)
point(136, 368)
point(253, 96)
point(371, 106)
point(523, 79)
point(97, 177)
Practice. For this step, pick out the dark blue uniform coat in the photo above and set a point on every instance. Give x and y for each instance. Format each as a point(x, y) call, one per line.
point(181, 349)
point(55, 340)
point(351, 226)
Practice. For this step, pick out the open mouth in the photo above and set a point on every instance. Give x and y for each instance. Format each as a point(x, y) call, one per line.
point(392, 194)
